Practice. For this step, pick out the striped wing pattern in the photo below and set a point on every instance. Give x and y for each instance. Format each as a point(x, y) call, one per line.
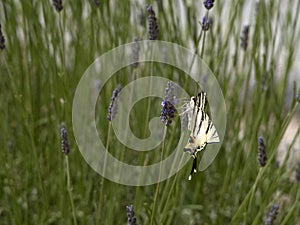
point(203, 131)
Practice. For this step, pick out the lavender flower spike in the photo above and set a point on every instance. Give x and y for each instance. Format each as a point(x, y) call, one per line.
point(152, 23)
point(2, 39)
point(168, 109)
point(57, 5)
point(112, 109)
point(65, 146)
point(298, 172)
point(244, 37)
point(97, 2)
point(208, 4)
point(262, 154)
point(206, 23)
point(272, 215)
point(130, 215)
point(135, 53)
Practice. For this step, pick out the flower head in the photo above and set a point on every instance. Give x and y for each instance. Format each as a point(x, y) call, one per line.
point(244, 37)
point(97, 2)
point(298, 172)
point(135, 53)
point(152, 23)
point(208, 4)
point(167, 112)
point(65, 146)
point(206, 23)
point(130, 215)
point(112, 109)
point(262, 154)
point(168, 109)
point(272, 215)
point(57, 5)
point(2, 39)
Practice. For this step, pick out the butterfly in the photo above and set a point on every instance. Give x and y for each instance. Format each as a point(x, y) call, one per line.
point(202, 129)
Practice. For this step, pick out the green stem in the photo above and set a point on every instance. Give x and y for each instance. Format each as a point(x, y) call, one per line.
point(69, 189)
point(292, 209)
point(203, 45)
point(261, 173)
point(102, 179)
point(61, 30)
point(160, 172)
point(252, 193)
point(196, 50)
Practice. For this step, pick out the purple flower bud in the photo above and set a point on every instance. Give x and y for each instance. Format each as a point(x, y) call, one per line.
point(2, 39)
point(135, 53)
point(244, 37)
point(272, 215)
point(131, 219)
point(65, 146)
point(152, 24)
point(97, 2)
point(298, 172)
point(206, 23)
point(262, 154)
point(208, 4)
point(57, 5)
point(168, 109)
point(112, 109)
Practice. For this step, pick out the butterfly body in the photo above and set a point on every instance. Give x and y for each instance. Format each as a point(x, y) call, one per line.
point(203, 131)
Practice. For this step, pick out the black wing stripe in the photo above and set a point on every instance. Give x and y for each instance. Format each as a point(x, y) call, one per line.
point(208, 126)
point(202, 102)
point(200, 123)
point(196, 100)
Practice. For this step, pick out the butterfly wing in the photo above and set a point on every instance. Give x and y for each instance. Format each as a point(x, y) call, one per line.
point(196, 112)
point(202, 128)
point(212, 134)
point(208, 131)
point(205, 133)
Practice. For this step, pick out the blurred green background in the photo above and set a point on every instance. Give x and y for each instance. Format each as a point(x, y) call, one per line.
point(46, 53)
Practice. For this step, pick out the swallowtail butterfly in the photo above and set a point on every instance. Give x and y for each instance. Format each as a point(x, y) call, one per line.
point(202, 129)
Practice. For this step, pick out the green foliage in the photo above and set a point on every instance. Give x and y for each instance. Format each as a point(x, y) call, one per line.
point(46, 54)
